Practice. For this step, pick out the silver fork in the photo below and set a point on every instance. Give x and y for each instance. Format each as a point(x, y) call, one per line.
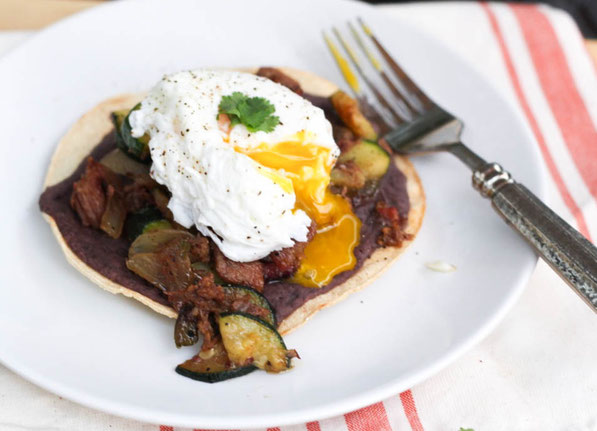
point(422, 126)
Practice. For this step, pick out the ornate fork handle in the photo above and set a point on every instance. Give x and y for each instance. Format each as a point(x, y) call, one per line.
point(430, 128)
point(572, 256)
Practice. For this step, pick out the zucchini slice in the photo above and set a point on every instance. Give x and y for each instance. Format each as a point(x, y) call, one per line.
point(252, 341)
point(143, 221)
point(255, 298)
point(118, 118)
point(212, 366)
point(137, 148)
point(150, 241)
point(370, 158)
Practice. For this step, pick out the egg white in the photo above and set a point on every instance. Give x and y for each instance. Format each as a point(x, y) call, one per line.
point(213, 186)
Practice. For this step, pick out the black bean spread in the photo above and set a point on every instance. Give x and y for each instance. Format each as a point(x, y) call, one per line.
point(107, 255)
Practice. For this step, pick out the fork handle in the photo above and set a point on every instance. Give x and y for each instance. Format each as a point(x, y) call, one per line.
point(572, 256)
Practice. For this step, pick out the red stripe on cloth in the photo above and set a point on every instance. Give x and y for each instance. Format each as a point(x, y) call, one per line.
point(551, 166)
point(559, 87)
point(410, 409)
point(313, 426)
point(166, 428)
point(201, 429)
point(273, 429)
point(371, 418)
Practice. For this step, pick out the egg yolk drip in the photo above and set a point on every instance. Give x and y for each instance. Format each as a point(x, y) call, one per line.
point(304, 168)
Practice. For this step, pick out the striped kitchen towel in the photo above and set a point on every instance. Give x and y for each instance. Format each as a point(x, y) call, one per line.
point(537, 370)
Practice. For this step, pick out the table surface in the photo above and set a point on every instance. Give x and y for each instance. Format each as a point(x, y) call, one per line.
point(36, 14)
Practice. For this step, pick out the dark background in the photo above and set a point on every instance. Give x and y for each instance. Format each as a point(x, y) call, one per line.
point(583, 11)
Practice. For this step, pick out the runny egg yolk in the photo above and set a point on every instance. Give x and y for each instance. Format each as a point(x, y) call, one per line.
point(304, 168)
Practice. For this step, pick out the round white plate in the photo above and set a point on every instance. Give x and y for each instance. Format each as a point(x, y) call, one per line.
point(110, 353)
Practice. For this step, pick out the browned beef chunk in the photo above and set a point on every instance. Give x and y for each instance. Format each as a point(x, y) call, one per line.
point(392, 233)
point(137, 195)
point(162, 197)
point(241, 273)
point(196, 303)
point(200, 249)
point(344, 137)
point(284, 263)
point(206, 326)
point(88, 198)
point(203, 293)
point(280, 77)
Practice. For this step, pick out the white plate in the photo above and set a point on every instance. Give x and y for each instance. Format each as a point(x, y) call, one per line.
point(108, 352)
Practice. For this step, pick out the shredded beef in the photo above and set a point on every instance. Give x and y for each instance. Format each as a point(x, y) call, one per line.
point(137, 195)
point(161, 198)
point(281, 78)
point(344, 137)
point(203, 293)
point(206, 327)
point(88, 197)
point(197, 302)
point(202, 298)
point(284, 263)
point(241, 273)
point(392, 233)
point(200, 249)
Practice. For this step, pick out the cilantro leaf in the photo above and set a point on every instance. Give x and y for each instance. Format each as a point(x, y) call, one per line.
point(270, 123)
point(254, 112)
point(229, 106)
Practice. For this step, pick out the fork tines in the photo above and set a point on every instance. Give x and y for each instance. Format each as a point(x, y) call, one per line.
point(409, 101)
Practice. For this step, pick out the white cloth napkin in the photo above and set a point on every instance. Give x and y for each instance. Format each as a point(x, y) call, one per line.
point(537, 370)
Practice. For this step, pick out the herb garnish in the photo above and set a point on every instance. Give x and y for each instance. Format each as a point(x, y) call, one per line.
point(254, 112)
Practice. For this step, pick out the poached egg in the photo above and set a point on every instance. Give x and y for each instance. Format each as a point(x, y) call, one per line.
point(251, 192)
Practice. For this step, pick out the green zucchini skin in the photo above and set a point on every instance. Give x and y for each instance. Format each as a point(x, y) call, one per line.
point(219, 367)
point(137, 148)
point(257, 299)
point(372, 160)
point(144, 220)
point(270, 354)
point(117, 118)
point(214, 369)
point(214, 377)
